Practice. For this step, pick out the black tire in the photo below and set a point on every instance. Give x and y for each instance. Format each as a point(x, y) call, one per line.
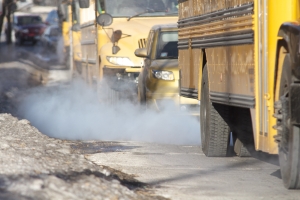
point(241, 126)
point(288, 135)
point(215, 131)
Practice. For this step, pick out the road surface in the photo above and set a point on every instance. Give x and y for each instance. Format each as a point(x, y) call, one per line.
point(184, 172)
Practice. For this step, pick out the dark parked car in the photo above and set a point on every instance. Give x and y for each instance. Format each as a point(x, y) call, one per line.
point(28, 27)
point(50, 37)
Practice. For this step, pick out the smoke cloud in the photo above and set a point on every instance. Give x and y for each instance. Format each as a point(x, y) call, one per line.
point(75, 112)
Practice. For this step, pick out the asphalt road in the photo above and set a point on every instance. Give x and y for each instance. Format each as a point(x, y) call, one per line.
point(35, 166)
point(172, 171)
point(184, 172)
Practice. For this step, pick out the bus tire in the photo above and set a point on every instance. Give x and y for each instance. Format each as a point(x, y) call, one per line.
point(242, 131)
point(215, 131)
point(240, 149)
point(288, 135)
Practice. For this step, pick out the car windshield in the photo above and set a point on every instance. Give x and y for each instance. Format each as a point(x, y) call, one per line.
point(167, 45)
point(141, 8)
point(27, 20)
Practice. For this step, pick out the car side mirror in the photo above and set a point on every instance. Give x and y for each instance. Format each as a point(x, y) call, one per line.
point(142, 53)
point(115, 49)
point(104, 19)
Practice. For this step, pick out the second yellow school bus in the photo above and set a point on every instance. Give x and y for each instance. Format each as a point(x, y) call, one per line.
point(108, 48)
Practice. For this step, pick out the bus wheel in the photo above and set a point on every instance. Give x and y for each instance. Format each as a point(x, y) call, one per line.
point(288, 135)
point(214, 130)
point(242, 131)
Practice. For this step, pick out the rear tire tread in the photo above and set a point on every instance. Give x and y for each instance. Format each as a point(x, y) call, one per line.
point(216, 139)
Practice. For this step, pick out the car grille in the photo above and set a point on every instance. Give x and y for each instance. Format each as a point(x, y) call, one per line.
point(34, 30)
point(142, 43)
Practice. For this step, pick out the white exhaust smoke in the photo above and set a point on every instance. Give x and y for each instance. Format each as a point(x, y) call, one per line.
point(75, 113)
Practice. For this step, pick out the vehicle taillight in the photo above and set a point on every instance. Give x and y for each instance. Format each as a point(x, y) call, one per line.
point(42, 30)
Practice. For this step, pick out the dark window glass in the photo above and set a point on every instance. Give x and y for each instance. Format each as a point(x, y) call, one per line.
point(27, 20)
point(167, 45)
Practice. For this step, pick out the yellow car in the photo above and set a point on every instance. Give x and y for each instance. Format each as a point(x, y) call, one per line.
point(158, 81)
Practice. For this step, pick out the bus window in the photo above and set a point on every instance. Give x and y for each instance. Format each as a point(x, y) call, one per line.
point(127, 8)
point(100, 6)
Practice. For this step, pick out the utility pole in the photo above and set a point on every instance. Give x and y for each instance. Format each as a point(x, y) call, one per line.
point(2, 15)
point(8, 7)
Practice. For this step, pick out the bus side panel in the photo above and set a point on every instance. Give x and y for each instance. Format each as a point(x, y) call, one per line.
point(201, 7)
point(76, 47)
point(185, 9)
point(231, 69)
point(88, 41)
point(184, 64)
point(289, 12)
point(191, 63)
point(89, 55)
point(198, 65)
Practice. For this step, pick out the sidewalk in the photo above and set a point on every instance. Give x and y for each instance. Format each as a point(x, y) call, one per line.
point(44, 69)
point(49, 63)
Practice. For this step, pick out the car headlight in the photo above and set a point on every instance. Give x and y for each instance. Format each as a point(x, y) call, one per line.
point(25, 31)
point(119, 60)
point(164, 75)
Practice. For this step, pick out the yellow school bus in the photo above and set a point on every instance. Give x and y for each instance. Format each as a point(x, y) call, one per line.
point(111, 30)
point(68, 13)
point(240, 58)
point(64, 22)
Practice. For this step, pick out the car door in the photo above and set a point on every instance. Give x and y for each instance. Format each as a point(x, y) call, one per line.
point(147, 62)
